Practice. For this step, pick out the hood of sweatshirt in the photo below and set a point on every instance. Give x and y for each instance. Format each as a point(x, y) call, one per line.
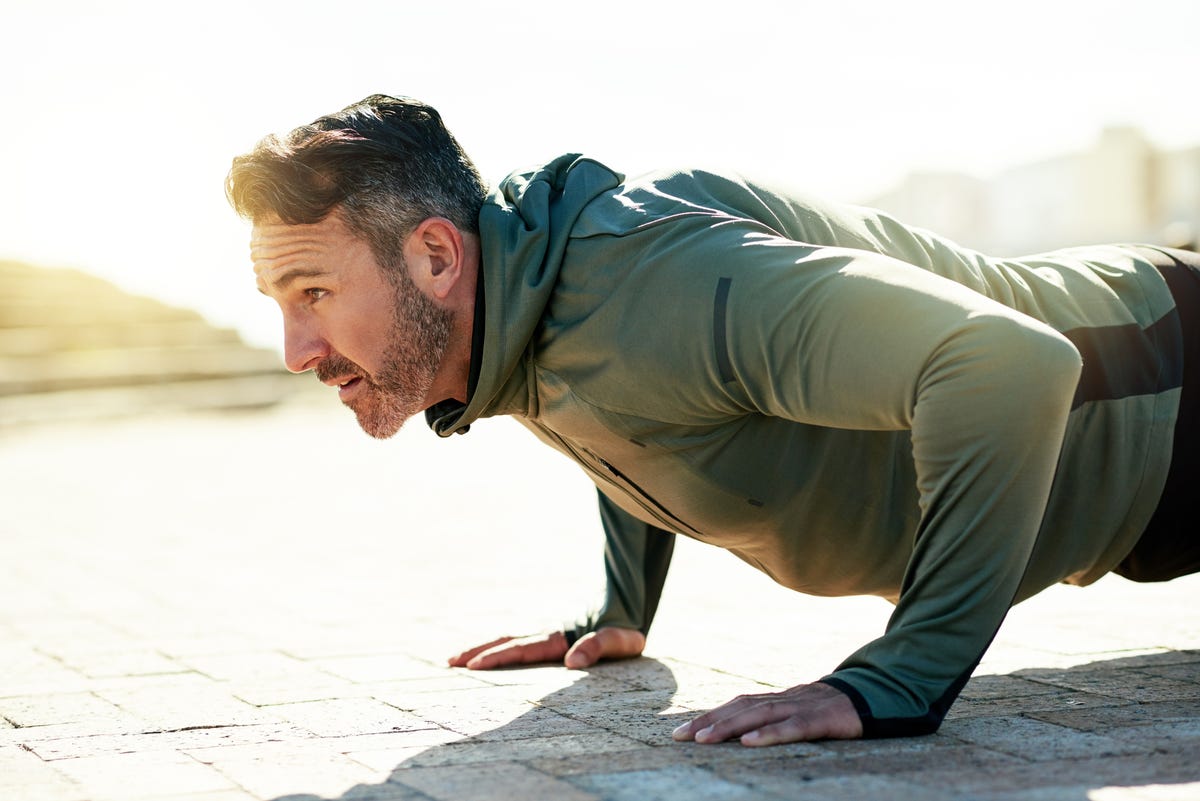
point(524, 228)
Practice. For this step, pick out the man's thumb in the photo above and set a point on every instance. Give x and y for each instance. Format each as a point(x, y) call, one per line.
point(586, 652)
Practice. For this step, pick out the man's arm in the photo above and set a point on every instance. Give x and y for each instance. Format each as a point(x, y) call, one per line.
point(850, 339)
point(636, 558)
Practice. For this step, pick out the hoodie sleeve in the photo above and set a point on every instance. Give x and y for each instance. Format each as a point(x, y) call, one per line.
point(852, 339)
point(636, 558)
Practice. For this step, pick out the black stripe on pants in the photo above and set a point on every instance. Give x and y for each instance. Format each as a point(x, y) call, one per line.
point(1170, 545)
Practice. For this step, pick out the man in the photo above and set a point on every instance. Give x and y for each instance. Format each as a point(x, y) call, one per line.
point(848, 404)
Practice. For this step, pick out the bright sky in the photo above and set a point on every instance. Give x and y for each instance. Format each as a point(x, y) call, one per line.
point(120, 118)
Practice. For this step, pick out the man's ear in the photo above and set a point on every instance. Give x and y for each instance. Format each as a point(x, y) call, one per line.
point(436, 256)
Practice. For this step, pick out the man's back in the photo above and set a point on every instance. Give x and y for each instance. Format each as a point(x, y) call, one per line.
point(848, 404)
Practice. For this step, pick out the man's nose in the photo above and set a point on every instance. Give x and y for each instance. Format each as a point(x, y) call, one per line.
point(303, 346)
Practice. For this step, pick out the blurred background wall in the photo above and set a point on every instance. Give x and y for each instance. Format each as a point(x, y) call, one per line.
point(126, 278)
point(73, 346)
point(1122, 188)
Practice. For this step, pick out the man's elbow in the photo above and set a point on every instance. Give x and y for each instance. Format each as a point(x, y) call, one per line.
point(1042, 359)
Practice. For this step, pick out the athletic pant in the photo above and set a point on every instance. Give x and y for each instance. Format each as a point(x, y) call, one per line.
point(1170, 545)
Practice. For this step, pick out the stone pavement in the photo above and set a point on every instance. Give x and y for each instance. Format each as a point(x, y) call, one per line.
point(258, 606)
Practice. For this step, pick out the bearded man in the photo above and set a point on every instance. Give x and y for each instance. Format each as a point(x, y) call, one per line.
point(851, 405)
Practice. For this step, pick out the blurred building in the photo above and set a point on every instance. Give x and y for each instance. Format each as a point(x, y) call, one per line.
point(73, 346)
point(1122, 189)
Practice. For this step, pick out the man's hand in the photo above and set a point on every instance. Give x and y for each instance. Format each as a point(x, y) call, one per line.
point(605, 643)
point(805, 712)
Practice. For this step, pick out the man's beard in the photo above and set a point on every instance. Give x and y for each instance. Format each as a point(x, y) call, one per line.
point(414, 351)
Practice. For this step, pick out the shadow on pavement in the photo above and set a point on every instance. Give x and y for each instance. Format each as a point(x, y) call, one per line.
point(1059, 733)
point(614, 708)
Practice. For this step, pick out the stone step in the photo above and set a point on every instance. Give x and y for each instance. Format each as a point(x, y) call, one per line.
point(250, 392)
point(130, 366)
point(63, 310)
point(28, 290)
point(44, 339)
point(75, 346)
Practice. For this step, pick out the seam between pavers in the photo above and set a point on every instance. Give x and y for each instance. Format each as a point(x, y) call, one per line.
point(1116, 698)
point(668, 660)
point(602, 727)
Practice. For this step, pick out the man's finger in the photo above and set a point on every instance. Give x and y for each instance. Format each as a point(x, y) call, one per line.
point(606, 643)
point(805, 712)
point(460, 660)
point(709, 721)
point(792, 730)
point(524, 651)
point(586, 652)
point(746, 719)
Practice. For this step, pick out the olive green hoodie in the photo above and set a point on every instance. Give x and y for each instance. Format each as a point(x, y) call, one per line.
point(849, 404)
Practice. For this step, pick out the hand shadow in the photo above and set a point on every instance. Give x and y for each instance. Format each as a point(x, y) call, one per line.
point(608, 712)
point(1123, 722)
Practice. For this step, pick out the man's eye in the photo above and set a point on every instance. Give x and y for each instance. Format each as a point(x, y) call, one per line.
point(316, 294)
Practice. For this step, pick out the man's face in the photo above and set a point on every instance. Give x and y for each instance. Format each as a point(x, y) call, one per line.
point(379, 341)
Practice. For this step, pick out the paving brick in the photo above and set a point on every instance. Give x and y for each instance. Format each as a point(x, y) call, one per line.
point(210, 641)
point(472, 751)
point(143, 775)
point(1128, 683)
point(407, 688)
point(1038, 740)
point(1130, 714)
point(664, 783)
point(282, 691)
point(29, 791)
point(487, 715)
point(256, 667)
point(908, 759)
point(343, 717)
point(45, 710)
point(1055, 699)
point(992, 688)
point(1147, 659)
point(381, 667)
point(27, 672)
point(270, 770)
point(1165, 737)
point(641, 758)
point(539, 680)
point(24, 776)
point(386, 752)
point(187, 701)
point(701, 688)
point(496, 780)
point(1187, 791)
point(1086, 639)
point(33, 736)
point(126, 663)
point(264, 678)
point(134, 742)
point(1188, 672)
point(381, 792)
point(635, 714)
point(845, 788)
point(212, 795)
point(1064, 776)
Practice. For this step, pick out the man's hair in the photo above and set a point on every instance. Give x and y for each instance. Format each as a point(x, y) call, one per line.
point(384, 163)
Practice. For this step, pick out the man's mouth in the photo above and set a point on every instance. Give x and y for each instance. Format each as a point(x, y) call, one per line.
point(347, 388)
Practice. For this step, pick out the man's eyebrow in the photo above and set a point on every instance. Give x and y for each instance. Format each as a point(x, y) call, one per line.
point(289, 276)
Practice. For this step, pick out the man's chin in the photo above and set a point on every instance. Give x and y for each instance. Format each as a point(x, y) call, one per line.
point(381, 433)
point(380, 423)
